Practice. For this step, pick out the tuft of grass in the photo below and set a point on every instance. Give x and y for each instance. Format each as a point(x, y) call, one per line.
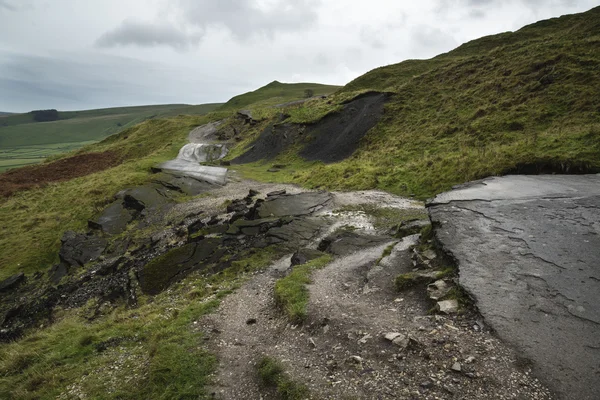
point(291, 293)
point(272, 374)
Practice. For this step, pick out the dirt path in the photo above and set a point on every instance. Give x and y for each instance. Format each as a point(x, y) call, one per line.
point(340, 352)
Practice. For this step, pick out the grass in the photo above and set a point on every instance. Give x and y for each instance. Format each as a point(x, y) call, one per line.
point(148, 352)
point(33, 221)
point(512, 102)
point(272, 374)
point(24, 141)
point(276, 93)
point(152, 351)
point(291, 293)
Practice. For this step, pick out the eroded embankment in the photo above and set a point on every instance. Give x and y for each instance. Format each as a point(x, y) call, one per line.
point(331, 139)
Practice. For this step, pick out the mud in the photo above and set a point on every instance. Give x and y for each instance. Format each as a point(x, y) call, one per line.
point(62, 170)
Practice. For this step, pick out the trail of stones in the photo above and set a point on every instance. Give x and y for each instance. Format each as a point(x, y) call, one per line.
point(341, 350)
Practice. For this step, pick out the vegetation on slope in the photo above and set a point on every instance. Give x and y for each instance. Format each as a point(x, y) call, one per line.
point(277, 93)
point(526, 101)
point(33, 221)
point(25, 141)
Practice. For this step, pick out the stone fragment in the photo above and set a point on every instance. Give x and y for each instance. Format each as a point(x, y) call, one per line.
point(11, 282)
point(438, 289)
point(448, 306)
point(456, 367)
point(392, 335)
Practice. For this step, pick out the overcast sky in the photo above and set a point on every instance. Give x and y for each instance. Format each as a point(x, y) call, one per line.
point(76, 54)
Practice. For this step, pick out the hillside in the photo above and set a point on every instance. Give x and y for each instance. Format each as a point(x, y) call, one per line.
point(5, 114)
point(24, 141)
point(121, 279)
point(525, 101)
point(277, 93)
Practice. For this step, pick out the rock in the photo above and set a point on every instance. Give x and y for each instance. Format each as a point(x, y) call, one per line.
point(347, 242)
point(11, 282)
point(253, 193)
point(356, 359)
point(448, 306)
point(273, 170)
point(410, 227)
point(57, 272)
point(470, 360)
point(246, 116)
point(305, 255)
point(392, 335)
point(225, 163)
point(312, 343)
point(438, 289)
point(301, 204)
point(427, 385)
point(78, 249)
point(456, 367)
point(237, 206)
point(410, 279)
point(251, 321)
point(429, 254)
point(163, 270)
point(276, 193)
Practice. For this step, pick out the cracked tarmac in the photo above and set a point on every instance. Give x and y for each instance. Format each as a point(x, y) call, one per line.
point(528, 250)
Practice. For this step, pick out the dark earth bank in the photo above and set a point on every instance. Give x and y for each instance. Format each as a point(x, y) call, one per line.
point(331, 139)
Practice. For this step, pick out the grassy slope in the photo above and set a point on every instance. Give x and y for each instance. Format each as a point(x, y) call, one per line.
point(23, 141)
point(33, 221)
point(276, 93)
point(528, 97)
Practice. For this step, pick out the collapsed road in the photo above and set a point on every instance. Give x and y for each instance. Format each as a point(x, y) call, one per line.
point(528, 251)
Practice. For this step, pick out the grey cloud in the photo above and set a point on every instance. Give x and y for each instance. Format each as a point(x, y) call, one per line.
point(246, 18)
point(243, 18)
point(94, 81)
point(428, 41)
point(145, 34)
point(7, 5)
point(372, 37)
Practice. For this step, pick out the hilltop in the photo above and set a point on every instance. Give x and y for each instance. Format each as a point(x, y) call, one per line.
point(277, 93)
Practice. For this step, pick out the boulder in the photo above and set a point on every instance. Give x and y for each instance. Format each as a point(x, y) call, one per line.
point(11, 282)
point(305, 255)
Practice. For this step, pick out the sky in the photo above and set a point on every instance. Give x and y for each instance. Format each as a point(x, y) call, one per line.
point(74, 54)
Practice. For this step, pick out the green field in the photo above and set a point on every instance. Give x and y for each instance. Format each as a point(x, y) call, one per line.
point(19, 156)
point(24, 141)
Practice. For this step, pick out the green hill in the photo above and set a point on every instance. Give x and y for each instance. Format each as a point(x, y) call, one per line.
point(277, 93)
point(524, 101)
point(24, 141)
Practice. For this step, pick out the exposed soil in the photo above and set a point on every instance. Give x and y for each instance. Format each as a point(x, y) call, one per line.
point(340, 351)
point(331, 139)
point(57, 171)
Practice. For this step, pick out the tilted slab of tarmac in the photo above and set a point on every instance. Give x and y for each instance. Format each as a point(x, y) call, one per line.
point(528, 251)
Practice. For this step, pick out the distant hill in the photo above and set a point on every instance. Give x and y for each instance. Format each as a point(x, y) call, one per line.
point(4, 114)
point(277, 93)
point(24, 141)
